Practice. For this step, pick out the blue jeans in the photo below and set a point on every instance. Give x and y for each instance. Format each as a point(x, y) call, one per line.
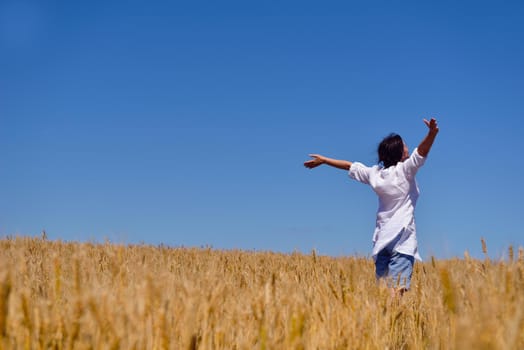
point(395, 267)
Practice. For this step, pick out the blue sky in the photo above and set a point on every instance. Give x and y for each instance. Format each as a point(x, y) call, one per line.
point(187, 123)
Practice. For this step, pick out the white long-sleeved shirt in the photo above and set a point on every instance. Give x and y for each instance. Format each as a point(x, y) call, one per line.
point(397, 192)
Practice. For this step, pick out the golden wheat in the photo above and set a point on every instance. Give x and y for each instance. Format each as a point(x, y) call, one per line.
point(108, 296)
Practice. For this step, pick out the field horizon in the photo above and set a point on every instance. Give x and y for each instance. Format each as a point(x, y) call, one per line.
point(81, 295)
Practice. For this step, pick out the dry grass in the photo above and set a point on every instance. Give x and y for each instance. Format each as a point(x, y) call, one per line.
point(107, 296)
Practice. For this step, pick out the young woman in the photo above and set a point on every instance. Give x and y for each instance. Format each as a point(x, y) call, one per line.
point(393, 180)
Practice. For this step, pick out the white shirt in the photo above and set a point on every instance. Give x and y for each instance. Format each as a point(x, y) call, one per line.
point(397, 193)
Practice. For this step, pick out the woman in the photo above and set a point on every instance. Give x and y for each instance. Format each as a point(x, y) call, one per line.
point(393, 180)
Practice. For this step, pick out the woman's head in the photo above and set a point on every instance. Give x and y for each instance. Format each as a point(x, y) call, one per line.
point(392, 150)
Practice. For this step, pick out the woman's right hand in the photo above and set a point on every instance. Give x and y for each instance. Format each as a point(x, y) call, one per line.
point(432, 125)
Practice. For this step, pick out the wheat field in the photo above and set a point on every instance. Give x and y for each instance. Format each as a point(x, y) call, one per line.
point(58, 295)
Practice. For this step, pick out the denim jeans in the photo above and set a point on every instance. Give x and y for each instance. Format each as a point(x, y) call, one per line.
point(395, 267)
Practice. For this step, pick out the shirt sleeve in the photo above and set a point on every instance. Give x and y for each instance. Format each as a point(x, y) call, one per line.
point(413, 163)
point(359, 172)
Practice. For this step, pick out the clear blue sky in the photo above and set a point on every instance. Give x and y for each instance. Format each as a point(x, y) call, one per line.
point(187, 123)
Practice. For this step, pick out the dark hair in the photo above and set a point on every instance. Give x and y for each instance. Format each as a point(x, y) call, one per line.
point(390, 150)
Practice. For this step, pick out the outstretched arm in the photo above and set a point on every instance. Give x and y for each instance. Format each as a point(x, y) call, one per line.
point(319, 160)
point(427, 142)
